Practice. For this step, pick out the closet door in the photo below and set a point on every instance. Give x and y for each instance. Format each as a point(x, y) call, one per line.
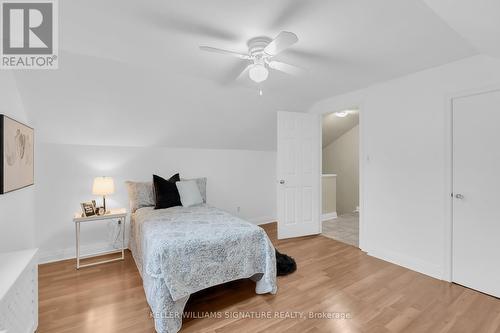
point(476, 192)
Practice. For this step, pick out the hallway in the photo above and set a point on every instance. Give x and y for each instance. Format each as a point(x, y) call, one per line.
point(344, 228)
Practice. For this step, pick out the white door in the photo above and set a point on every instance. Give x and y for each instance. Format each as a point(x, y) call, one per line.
point(298, 174)
point(476, 190)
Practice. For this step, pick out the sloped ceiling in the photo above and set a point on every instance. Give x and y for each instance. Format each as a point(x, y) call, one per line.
point(131, 73)
point(477, 21)
point(334, 127)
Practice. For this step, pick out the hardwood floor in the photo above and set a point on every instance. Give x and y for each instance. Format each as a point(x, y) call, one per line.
point(332, 277)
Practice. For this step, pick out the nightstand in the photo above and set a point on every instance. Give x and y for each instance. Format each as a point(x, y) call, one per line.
point(120, 215)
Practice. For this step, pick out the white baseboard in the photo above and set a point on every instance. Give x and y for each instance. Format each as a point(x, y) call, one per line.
point(414, 264)
point(262, 220)
point(47, 256)
point(328, 216)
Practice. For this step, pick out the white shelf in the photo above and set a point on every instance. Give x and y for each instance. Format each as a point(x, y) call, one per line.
point(19, 291)
point(329, 175)
point(12, 264)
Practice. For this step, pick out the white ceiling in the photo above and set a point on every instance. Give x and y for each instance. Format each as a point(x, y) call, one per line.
point(133, 74)
point(334, 127)
point(477, 21)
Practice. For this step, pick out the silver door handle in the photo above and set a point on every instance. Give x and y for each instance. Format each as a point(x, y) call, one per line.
point(282, 182)
point(459, 196)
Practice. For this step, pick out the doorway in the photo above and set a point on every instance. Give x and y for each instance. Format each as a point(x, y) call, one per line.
point(340, 176)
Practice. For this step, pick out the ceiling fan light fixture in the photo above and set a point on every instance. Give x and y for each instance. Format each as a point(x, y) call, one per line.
point(341, 114)
point(258, 73)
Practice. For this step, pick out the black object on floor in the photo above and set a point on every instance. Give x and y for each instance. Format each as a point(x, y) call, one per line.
point(284, 264)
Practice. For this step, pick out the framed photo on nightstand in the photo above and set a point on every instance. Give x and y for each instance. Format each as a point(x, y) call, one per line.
point(88, 208)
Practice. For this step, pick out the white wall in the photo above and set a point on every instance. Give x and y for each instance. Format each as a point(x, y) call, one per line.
point(16, 208)
point(236, 178)
point(341, 157)
point(405, 137)
point(328, 196)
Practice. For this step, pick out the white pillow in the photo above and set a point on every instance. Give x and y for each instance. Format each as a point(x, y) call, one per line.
point(189, 193)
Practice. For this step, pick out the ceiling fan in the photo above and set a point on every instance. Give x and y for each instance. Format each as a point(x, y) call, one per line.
point(261, 51)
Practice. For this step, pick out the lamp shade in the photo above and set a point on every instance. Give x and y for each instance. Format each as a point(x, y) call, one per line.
point(103, 186)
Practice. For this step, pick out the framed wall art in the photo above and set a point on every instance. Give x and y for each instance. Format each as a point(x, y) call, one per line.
point(17, 155)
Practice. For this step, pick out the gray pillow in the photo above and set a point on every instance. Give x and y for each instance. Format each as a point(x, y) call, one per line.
point(140, 194)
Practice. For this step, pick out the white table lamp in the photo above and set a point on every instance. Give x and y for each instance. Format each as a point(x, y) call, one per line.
point(103, 186)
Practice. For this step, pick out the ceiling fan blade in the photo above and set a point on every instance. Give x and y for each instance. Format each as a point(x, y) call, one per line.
point(311, 56)
point(234, 73)
point(243, 74)
point(283, 41)
point(286, 68)
point(226, 52)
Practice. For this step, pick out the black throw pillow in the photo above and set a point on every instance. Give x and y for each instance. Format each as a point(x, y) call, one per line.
point(166, 193)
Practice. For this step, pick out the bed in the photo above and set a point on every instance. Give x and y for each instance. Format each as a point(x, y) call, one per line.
point(180, 251)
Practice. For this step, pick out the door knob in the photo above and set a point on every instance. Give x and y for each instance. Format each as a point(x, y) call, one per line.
point(459, 196)
point(282, 182)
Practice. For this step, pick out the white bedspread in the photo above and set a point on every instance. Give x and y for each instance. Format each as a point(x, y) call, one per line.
point(183, 250)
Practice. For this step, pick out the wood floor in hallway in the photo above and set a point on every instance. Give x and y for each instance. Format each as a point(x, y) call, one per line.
point(361, 293)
